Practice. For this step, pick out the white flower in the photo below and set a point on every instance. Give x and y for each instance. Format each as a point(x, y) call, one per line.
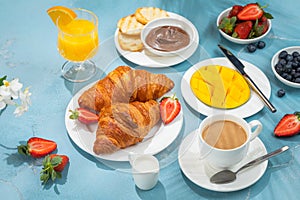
point(13, 87)
point(20, 110)
point(10, 91)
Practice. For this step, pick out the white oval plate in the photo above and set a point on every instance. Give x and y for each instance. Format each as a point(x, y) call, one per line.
point(251, 107)
point(84, 135)
point(146, 60)
point(194, 168)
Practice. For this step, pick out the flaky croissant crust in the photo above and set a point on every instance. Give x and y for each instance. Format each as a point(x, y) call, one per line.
point(121, 125)
point(125, 85)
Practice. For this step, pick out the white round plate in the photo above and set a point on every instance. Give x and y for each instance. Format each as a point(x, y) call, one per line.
point(251, 107)
point(194, 168)
point(146, 60)
point(275, 59)
point(84, 135)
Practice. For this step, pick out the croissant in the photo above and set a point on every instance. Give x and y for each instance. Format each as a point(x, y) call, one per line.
point(124, 124)
point(124, 85)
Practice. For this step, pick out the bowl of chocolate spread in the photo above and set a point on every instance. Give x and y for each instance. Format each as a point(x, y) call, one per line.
point(167, 36)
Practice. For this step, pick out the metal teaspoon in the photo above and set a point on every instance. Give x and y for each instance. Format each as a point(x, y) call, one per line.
point(227, 176)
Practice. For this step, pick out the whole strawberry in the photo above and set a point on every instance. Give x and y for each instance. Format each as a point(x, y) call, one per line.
point(53, 165)
point(37, 147)
point(289, 125)
point(242, 30)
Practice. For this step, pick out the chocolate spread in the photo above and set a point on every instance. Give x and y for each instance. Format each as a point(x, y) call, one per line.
point(167, 38)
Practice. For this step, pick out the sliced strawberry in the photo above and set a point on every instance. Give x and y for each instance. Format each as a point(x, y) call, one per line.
point(84, 116)
point(242, 30)
point(289, 125)
point(235, 10)
point(53, 165)
point(251, 11)
point(37, 147)
point(169, 109)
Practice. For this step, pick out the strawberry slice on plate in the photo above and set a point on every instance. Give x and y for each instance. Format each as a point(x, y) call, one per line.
point(289, 125)
point(251, 11)
point(169, 109)
point(84, 116)
point(53, 165)
point(37, 147)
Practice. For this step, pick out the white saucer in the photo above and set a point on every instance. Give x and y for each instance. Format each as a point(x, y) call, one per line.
point(195, 169)
point(251, 107)
point(146, 60)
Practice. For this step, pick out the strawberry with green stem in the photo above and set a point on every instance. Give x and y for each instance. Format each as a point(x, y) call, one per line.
point(53, 165)
point(37, 147)
point(289, 125)
point(227, 24)
point(84, 116)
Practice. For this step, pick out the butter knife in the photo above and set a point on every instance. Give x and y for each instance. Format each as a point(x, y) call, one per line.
point(240, 67)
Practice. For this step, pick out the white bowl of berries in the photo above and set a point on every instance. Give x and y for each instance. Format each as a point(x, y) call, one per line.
point(286, 66)
point(244, 24)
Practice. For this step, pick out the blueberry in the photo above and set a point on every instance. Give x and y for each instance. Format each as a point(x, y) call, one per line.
point(289, 77)
point(251, 48)
point(295, 54)
point(297, 80)
point(289, 57)
point(289, 65)
point(261, 44)
point(297, 75)
point(283, 54)
point(280, 92)
point(282, 62)
point(295, 64)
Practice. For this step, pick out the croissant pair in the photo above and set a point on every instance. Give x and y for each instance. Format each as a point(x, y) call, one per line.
point(125, 99)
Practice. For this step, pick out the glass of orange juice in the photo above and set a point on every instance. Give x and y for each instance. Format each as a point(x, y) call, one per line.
point(78, 43)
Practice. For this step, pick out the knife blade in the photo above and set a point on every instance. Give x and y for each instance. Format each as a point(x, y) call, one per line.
point(240, 67)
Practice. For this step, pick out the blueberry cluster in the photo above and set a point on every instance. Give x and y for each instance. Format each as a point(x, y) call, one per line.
point(288, 66)
point(253, 46)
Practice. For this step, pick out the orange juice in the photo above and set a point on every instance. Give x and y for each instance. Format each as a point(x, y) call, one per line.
point(78, 40)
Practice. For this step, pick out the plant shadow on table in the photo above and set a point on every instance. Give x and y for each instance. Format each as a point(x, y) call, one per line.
point(250, 191)
point(157, 191)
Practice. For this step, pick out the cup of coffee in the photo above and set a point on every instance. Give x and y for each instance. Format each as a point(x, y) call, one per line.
point(224, 139)
point(145, 170)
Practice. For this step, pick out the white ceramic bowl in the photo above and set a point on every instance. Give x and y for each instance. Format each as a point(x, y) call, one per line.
point(237, 40)
point(185, 25)
point(275, 59)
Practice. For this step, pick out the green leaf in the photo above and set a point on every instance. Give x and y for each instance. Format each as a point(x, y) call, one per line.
point(23, 150)
point(268, 15)
point(2, 79)
point(53, 175)
point(74, 114)
point(44, 178)
point(55, 161)
point(227, 24)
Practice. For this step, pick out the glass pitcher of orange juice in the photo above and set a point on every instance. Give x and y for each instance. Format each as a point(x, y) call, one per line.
point(78, 42)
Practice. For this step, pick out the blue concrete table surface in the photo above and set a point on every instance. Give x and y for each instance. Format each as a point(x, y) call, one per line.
point(28, 51)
